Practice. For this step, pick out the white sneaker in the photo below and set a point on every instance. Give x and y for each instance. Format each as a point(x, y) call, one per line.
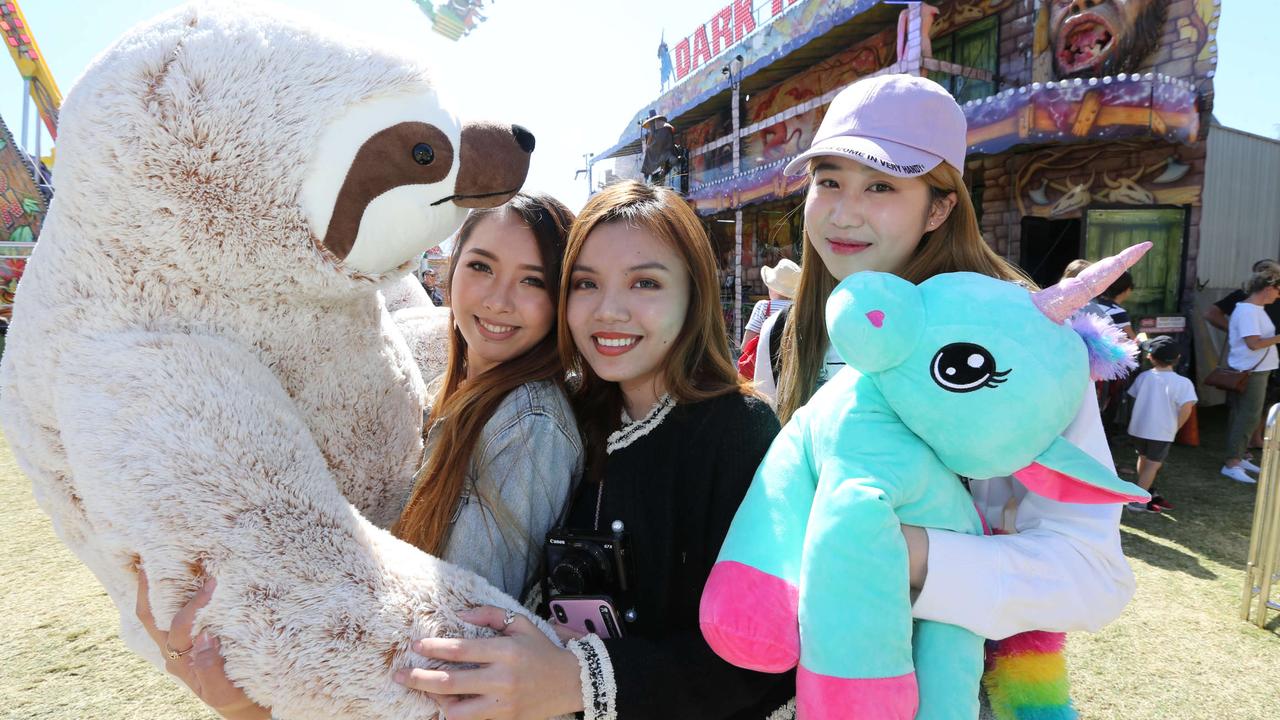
point(1238, 474)
point(1248, 465)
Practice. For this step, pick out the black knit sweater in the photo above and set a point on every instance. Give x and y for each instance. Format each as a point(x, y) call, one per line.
point(676, 482)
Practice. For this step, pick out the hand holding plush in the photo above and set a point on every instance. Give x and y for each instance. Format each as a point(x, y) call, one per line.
point(962, 375)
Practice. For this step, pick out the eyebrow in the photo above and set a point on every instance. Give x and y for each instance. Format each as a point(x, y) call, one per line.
point(863, 169)
point(485, 253)
point(652, 265)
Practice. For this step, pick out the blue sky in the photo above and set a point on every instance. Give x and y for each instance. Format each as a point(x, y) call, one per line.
point(575, 71)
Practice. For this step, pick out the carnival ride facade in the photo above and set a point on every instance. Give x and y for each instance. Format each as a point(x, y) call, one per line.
point(25, 178)
point(453, 19)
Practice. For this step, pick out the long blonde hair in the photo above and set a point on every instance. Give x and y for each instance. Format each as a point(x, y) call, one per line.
point(955, 246)
point(698, 365)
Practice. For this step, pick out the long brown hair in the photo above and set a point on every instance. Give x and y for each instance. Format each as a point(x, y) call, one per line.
point(955, 246)
point(698, 366)
point(460, 411)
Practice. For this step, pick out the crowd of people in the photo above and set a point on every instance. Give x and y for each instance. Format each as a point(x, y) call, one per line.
point(590, 390)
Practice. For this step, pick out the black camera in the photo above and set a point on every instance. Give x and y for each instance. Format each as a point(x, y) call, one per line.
point(587, 563)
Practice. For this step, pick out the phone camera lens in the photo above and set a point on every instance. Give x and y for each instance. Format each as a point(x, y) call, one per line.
point(609, 624)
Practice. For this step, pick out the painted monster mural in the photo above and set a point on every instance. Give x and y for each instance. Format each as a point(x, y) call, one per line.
point(1107, 70)
point(1093, 38)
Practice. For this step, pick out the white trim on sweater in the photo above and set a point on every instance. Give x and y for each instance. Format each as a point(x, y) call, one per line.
point(595, 672)
point(786, 712)
point(632, 431)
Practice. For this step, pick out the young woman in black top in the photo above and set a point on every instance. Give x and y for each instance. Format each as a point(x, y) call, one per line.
point(673, 440)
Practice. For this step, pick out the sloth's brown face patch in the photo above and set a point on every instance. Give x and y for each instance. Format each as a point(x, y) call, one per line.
point(410, 153)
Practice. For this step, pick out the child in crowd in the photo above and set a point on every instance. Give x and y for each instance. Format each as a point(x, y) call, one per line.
point(1162, 402)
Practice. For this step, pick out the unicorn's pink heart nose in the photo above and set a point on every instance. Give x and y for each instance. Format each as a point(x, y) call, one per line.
point(876, 317)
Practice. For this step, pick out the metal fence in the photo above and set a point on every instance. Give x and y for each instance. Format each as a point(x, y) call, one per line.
point(1262, 571)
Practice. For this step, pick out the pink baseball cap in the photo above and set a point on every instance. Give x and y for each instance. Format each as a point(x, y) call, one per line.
point(898, 124)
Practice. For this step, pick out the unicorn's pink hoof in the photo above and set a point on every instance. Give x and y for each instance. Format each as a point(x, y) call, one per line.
point(748, 617)
point(821, 697)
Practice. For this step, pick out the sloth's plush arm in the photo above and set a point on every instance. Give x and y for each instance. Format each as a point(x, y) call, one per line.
point(193, 460)
point(424, 326)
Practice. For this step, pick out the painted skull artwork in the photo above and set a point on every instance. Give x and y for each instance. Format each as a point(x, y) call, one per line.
point(1103, 37)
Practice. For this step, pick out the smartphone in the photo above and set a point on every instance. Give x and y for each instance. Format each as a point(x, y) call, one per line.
point(587, 614)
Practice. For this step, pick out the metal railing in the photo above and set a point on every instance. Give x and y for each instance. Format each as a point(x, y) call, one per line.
point(1262, 570)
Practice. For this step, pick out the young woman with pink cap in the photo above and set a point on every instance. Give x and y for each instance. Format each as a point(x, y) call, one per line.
point(886, 194)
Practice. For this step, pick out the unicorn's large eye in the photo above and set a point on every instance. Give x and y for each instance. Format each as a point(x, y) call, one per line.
point(965, 367)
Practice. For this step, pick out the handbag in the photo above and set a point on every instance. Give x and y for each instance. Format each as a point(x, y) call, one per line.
point(747, 360)
point(1225, 378)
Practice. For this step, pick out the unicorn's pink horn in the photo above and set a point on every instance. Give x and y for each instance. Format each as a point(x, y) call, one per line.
point(1060, 301)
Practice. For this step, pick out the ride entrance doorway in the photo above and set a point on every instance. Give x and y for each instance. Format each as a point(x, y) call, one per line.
point(1047, 247)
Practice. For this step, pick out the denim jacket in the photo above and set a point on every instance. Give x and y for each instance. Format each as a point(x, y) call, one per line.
point(523, 469)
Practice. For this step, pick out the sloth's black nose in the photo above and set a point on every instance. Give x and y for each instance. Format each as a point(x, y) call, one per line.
point(524, 138)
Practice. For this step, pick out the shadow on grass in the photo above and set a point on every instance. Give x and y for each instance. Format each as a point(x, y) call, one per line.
point(1163, 556)
point(1212, 515)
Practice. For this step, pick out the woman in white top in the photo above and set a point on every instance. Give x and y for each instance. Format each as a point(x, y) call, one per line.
point(1251, 345)
point(897, 203)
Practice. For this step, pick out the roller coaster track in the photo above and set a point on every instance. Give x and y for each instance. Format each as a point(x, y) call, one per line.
point(24, 50)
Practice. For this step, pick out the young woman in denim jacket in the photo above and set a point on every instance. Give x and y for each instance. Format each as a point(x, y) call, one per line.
point(503, 452)
point(502, 446)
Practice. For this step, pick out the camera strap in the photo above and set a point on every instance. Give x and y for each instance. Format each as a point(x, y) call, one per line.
point(599, 500)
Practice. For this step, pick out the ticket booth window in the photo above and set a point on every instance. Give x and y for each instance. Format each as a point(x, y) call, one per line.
point(1158, 276)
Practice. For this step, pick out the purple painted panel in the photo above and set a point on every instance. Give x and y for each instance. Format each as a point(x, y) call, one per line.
point(1082, 110)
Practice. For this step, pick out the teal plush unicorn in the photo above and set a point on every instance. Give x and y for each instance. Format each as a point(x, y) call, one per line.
point(961, 375)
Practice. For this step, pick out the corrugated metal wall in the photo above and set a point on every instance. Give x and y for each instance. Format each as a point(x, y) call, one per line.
point(1240, 223)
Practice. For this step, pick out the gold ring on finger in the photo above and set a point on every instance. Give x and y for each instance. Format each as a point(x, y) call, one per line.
point(174, 654)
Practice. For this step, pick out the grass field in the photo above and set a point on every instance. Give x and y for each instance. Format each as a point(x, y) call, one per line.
point(60, 654)
point(1178, 651)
